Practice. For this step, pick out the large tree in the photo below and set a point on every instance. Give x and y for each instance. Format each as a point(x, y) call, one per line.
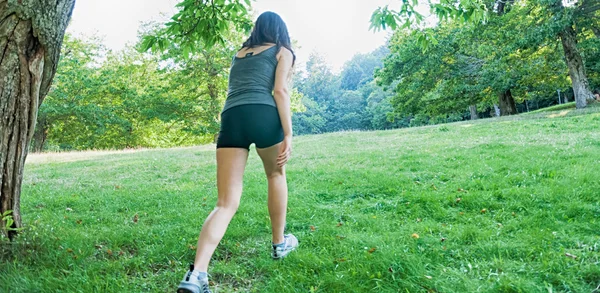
point(556, 21)
point(568, 37)
point(31, 34)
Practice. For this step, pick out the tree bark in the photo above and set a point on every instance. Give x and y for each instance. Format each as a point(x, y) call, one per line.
point(507, 103)
point(31, 33)
point(581, 86)
point(473, 110)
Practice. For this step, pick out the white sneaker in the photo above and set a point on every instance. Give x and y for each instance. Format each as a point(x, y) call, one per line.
point(192, 283)
point(280, 251)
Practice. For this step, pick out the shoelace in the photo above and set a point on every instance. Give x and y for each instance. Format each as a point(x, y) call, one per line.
point(187, 277)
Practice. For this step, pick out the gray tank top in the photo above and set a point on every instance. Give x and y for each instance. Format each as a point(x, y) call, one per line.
point(252, 79)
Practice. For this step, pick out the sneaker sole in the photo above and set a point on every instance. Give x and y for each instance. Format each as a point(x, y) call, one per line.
point(184, 288)
point(283, 256)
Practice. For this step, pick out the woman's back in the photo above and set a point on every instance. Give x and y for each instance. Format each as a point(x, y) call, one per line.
point(252, 77)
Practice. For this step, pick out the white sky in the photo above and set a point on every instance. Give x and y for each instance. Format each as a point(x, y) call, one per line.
point(337, 29)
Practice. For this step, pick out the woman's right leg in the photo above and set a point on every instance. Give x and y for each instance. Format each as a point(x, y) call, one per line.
point(231, 163)
point(278, 191)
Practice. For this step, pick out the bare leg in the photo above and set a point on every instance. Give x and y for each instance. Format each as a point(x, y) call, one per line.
point(230, 172)
point(278, 192)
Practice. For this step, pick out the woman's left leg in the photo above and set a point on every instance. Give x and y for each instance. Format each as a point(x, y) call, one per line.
point(231, 163)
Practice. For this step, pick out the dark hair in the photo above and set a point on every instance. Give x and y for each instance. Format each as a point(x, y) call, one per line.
point(270, 28)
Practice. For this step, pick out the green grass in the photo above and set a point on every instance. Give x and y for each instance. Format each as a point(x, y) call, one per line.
point(356, 199)
point(565, 106)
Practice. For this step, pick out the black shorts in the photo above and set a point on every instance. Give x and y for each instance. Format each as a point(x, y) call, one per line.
point(244, 125)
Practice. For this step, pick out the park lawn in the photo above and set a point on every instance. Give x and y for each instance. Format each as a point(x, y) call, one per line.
point(496, 205)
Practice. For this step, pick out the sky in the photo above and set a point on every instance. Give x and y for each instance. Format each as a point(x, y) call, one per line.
point(336, 29)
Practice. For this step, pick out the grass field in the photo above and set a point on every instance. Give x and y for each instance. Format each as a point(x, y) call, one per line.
point(566, 106)
point(497, 205)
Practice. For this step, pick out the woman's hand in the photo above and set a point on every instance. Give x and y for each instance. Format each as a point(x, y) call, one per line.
point(285, 151)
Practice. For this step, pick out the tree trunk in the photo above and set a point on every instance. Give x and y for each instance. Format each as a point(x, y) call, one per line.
point(507, 103)
point(500, 5)
point(596, 31)
point(473, 109)
point(581, 86)
point(497, 110)
point(31, 33)
point(505, 98)
point(40, 135)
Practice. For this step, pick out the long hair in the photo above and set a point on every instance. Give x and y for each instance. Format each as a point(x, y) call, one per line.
point(270, 28)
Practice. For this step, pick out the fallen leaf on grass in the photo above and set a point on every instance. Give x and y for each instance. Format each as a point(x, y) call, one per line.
point(415, 235)
point(79, 222)
point(313, 228)
point(458, 200)
point(483, 211)
point(109, 252)
point(428, 277)
point(373, 249)
point(69, 250)
point(340, 224)
point(136, 218)
point(570, 255)
point(461, 190)
point(443, 239)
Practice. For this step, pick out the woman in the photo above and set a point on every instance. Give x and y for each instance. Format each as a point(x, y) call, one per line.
point(257, 110)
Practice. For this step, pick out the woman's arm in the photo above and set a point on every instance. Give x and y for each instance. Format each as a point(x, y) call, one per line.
point(282, 99)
